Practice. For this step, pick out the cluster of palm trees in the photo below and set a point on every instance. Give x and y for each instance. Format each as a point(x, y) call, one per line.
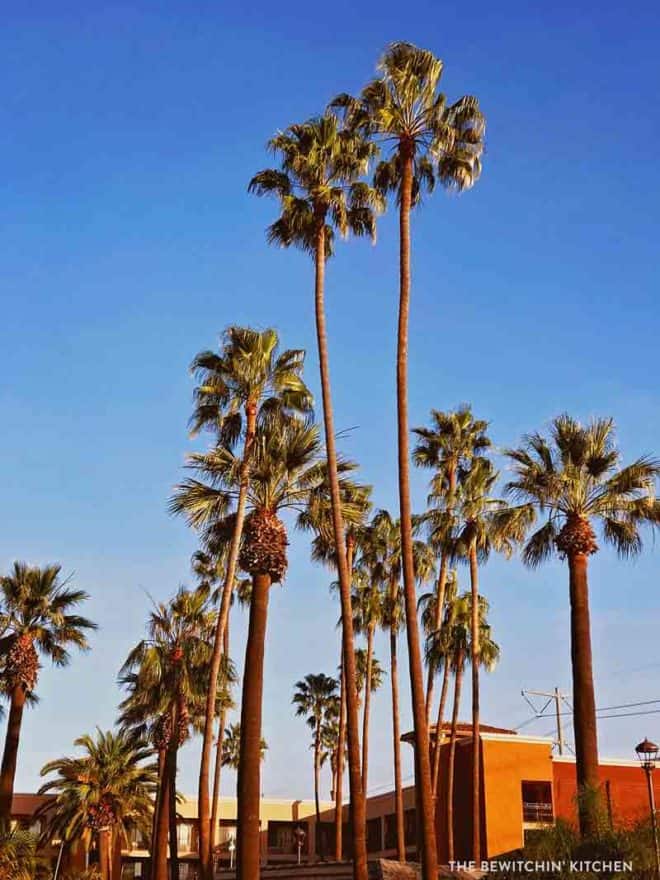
point(267, 456)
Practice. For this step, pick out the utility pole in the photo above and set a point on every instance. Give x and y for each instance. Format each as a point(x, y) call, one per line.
point(557, 698)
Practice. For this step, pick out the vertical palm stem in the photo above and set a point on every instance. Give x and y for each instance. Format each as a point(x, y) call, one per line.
point(458, 683)
point(215, 808)
point(476, 738)
point(10, 754)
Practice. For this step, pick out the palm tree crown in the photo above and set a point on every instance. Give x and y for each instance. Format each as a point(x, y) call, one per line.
point(574, 476)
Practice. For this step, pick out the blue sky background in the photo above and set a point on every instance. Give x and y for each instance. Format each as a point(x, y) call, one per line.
point(128, 241)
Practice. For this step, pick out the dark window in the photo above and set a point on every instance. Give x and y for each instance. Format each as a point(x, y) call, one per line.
point(390, 831)
point(410, 827)
point(374, 835)
point(281, 838)
point(325, 839)
point(537, 802)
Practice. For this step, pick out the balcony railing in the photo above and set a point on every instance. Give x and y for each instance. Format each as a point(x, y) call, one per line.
point(537, 812)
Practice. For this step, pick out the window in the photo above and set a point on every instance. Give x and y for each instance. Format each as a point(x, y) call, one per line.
point(390, 831)
point(537, 802)
point(184, 836)
point(410, 827)
point(281, 838)
point(374, 835)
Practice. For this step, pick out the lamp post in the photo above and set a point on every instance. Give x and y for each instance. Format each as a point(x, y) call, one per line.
point(647, 752)
point(232, 850)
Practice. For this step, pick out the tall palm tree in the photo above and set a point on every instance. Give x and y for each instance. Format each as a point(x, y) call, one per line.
point(482, 526)
point(239, 387)
point(105, 792)
point(36, 619)
point(367, 602)
point(318, 187)
point(314, 698)
point(459, 652)
point(573, 478)
point(381, 556)
point(355, 506)
point(428, 140)
point(451, 442)
point(284, 467)
point(172, 663)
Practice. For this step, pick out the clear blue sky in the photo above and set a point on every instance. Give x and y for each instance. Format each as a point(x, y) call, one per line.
point(129, 133)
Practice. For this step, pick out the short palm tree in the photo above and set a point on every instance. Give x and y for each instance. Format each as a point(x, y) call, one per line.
point(19, 859)
point(314, 697)
point(355, 506)
point(284, 467)
point(36, 618)
point(241, 386)
point(457, 644)
point(104, 793)
point(380, 555)
point(169, 671)
point(319, 190)
point(367, 600)
point(573, 478)
point(429, 141)
point(449, 444)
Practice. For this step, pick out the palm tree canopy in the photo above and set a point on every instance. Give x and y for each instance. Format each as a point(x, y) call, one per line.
point(36, 604)
point(318, 184)
point(573, 477)
point(404, 109)
point(454, 637)
point(248, 369)
point(314, 697)
point(231, 746)
point(377, 672)
point(113, 778)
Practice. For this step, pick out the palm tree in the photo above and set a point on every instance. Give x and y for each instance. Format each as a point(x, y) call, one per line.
point(482, 525)
point(381, 556)
point(231, 746)
point(377, 673)
point(355, 506)
point(284, 467)
point(367, 602)
point(438, 656)
point(239, 387)
point(35, 619)
point(105, 793)
point(451, 443)
point(313, 698)
point(170, 669)
point(319, 190)
point(574, 479)
point(18, 854)
point(459, 652)
point(429, 140)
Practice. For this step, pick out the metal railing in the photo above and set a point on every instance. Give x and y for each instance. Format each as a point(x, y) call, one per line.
point(537, 812)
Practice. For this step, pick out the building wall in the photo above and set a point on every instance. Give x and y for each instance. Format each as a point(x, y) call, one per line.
point(624, 787)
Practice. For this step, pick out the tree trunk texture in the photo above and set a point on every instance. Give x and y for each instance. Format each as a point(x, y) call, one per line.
point(320, 848)
point(584, 699)
point(341, 747)
point(476, 738)
point(105, 854)
point(174, 840)
point(358, 803)
point(10, 754)
point(248, 855)
point(396, 747)
point(161, 824)
point(215, 806)
point(458, 684)
point(204, 807)
point(367, 706)
point(438, 727)
point(424, 795)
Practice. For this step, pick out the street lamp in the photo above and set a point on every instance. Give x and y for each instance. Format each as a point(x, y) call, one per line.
point(232, 850)
point(647, 752)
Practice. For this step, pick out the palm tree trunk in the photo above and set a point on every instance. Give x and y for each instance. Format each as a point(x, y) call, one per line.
point(215, 807)
point(203, 805)
point(441, 588)
point(248, 856)
point(159, 844)
point(396, 747)
point(317, 782)
point(10, 754)
point(458, 683)
point(358, 802)
point(584, 700)
point(105, 853)
point(157, 809)
point(341, 748)
point(171, 794)
point(367, 706)
point(476, 738)
point(438, 728)
point(425, 811)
